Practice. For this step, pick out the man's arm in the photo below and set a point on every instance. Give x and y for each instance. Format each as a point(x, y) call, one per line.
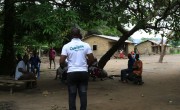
point(62, 60)
point(90, 58)
point(22, 71)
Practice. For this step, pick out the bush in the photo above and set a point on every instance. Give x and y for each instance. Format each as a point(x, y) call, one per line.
point(172, 51)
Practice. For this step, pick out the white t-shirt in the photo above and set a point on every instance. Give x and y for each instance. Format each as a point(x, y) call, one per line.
point(22, 65)
point(76, 52)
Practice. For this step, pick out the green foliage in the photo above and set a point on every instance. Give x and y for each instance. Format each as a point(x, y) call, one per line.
point(100, 27)
point(20, 50)
point(175, 50)
point(105, 30)
point(174, 38)
point(43, 23)
point(174, 43)
point(111, 31)
point(48, 22)
point(145, 14)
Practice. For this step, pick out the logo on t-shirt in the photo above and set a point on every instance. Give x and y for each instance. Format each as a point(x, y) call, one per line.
point(77, 48)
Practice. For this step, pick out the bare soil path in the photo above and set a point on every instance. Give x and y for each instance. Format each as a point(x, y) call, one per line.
point(161, 90)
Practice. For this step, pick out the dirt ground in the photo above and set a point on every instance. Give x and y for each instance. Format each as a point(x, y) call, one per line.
point(161, 90)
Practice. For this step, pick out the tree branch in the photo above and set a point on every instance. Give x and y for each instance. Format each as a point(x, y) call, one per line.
point(121, 29)
point(167, 12)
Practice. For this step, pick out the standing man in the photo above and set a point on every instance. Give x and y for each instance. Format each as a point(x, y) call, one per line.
point(52, 55)
point(77, 53)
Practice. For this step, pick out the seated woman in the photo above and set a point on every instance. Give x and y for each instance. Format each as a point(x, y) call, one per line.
point(137, 71)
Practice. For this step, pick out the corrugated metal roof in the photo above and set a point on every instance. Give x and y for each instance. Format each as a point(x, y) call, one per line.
point(115, 38)
point(153, 41)
point(149, 41)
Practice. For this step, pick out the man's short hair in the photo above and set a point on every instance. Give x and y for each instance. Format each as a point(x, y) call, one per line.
point(75, 33)
point(19, 56)
point(137, 56)
point(25, 57)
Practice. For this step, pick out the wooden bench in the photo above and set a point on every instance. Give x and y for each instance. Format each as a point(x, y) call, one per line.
point(14, 83)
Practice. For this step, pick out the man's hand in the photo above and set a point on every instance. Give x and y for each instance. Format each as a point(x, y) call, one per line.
point(135, 67)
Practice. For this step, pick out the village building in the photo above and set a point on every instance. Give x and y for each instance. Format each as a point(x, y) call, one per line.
point(150, 47)
point(101, 44)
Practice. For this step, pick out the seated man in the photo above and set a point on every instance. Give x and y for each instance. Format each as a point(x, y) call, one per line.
point(92, 69)
point(35, 63)
point(125, 72)
point(61, 72)
point(21, 70)
point(137, 71)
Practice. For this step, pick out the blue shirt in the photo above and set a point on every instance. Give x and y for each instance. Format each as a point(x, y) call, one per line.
point(35, 60)
point(130, 64)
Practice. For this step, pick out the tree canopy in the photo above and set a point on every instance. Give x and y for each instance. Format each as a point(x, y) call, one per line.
point(39, 21)
point(144, 15)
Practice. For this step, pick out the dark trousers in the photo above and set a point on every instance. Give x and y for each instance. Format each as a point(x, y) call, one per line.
point(124, 74)
point(137, 79)
point(50, 62)
point(33, 67)
point(77, 82)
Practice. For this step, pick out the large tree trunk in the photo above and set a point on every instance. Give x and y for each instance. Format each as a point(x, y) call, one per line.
point(163, 52)
point(163, 46)
point(106, 57)
point(7, 56)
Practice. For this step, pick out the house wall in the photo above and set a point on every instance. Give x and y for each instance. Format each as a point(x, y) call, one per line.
point(103, 45)
point(145, 48)
point(150, 48)
point(168, 50)
point(130, 48)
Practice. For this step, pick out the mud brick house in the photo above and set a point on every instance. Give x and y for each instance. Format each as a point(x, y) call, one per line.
point(100, 44)
point(151, 47)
